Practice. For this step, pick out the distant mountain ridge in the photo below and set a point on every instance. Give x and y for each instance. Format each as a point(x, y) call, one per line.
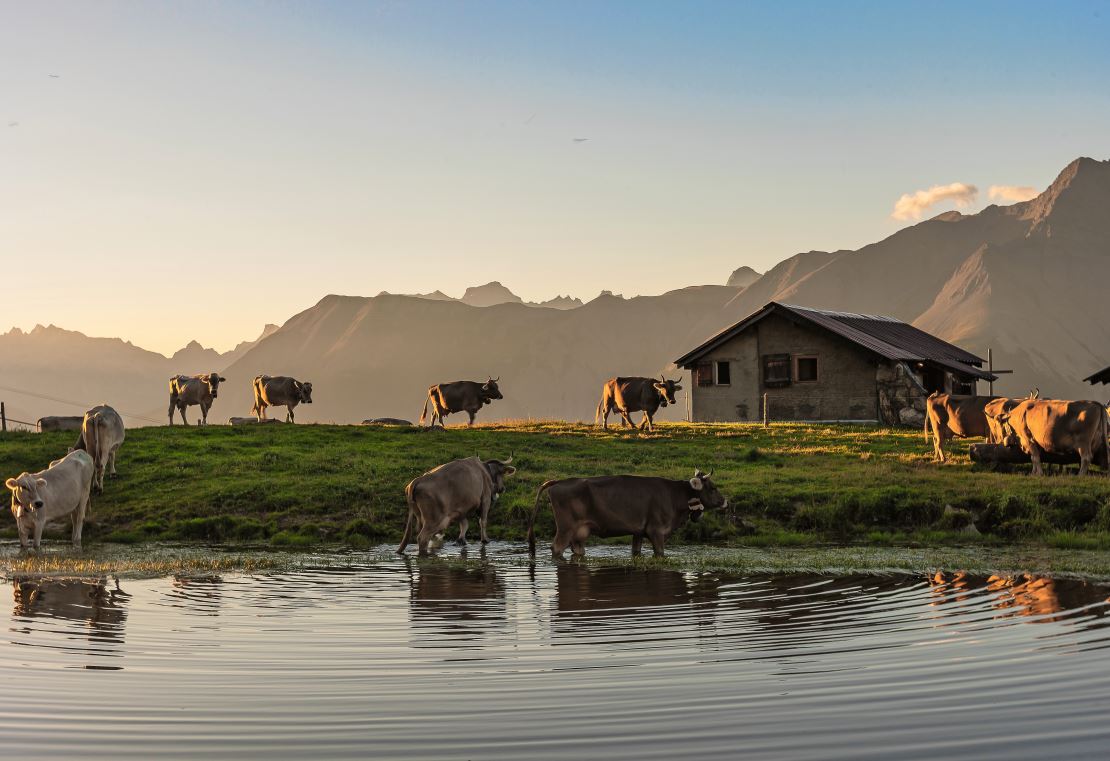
point(1025, 280)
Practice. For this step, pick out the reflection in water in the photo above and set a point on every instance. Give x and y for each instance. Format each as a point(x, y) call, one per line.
point(91, 602)
point(460, 604)
point(513, 660)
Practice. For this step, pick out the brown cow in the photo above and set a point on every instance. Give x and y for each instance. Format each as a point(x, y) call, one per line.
point(459, 396)
point(951, 415)
point(60, 490)
point(102, 435)
point(451, 491)
point(279, 391)
point(1060, 427)
point(188, 390)
point(619, 505)
point(999, 432)
point(628, 395)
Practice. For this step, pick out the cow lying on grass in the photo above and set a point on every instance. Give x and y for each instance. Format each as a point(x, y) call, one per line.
point(642, 506)
point(60, 490)
point(449, 493)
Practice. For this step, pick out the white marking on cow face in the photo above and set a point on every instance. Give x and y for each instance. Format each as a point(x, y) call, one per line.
point(26, 496)
point(667, 389)
point(306, 392)
point(214, 380)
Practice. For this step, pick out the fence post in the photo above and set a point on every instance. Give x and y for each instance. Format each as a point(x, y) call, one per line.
point(765, 421)
point(3, 418)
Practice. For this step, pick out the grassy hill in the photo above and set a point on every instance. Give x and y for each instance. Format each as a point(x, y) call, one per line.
point(788, 484)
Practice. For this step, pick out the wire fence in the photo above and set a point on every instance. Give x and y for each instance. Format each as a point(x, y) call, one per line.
point(69, 402)
point(794, 407)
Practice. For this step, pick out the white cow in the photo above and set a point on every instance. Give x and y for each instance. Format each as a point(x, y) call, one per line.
point(101, 436)
point(60, 490)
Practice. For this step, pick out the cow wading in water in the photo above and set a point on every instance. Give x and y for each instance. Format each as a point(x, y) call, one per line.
point(279, 391)
point(643, 506)
point(189, 390)
point(628, 395)
point(449, 493)
point(459, 396)
point(60, 490)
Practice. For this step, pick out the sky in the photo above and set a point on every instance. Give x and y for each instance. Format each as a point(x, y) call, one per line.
point(179, 171)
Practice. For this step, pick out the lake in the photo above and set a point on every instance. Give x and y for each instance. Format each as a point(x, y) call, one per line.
point(502, 659)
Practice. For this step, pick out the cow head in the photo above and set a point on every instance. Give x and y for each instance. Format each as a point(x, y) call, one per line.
point(498, 471)
point(214, 380)
point(305, 391)
point(706, 494)
point(666, 389)
point(26, 494)
point(490, 390)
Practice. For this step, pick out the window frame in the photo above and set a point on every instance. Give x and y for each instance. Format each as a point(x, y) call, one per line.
point(781, 360)
point(717, 372)
point(703, 370)
point(816, 365)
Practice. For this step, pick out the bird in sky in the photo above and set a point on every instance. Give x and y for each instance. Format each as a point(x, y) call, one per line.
point(581, 139)
point(13, 124)
point(54, 76)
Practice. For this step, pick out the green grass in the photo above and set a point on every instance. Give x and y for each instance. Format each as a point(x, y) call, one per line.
point(789, 485)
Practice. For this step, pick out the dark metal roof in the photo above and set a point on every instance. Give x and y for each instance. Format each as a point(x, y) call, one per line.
point(1102, 376)
point(889, 338)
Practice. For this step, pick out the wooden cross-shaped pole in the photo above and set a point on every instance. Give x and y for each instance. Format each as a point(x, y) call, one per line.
point(992, 371)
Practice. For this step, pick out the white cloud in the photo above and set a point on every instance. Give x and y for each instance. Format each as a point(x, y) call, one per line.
point(1013, 193)
point(913, 205)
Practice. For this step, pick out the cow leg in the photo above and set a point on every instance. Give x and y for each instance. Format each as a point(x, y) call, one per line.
point(1084, 460)
point(40, 524)
point(289, 414)
point(647, 421)
point(181, 409)
point(940, 438)
point(578, 549)
point(79, 521)
point(637, 543)
point(464, 524)
point(471, 413)
point(112, 461)
point(429, 530)
point(657, 542)
point(483, 523)
point(204, 413)
point(1035, 456)
point(560, 543)
point(626, 418)
point(22, 527)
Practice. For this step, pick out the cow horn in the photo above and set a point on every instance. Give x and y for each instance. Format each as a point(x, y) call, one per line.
point(494, 380)
point(709, 474)
point(506, 462)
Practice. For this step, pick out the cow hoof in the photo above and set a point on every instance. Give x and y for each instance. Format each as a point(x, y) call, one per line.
point(460, 542)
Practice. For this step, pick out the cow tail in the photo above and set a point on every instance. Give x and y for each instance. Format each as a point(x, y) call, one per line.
point(926, 424)
point(424, 414)
point(257, 409)
point(406, 537)
point(173, 397)
point(597, 415)
point(535, 512)
point(94, 449)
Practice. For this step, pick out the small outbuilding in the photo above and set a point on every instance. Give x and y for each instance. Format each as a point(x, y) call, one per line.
point(816, 365)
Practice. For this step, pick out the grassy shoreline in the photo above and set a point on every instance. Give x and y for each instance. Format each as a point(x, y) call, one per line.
point(790, 485)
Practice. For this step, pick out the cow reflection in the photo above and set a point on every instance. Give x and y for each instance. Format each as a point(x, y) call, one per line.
point(90, 600)
point(455, 606)
point(1040, 598)
point(616, 597)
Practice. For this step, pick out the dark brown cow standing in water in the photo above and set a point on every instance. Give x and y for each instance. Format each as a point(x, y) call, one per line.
point(951, 415)
point(279, 391)
point(621, 505)
point(628, 395)
point(189, 390)
point(1059, 427)
point(459, 396)
point(448, 493)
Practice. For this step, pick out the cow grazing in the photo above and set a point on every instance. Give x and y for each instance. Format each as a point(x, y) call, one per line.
point(189, 390)
point(53, 423)
point(60, 490)
point(628, 395)
point(279, 391)
point(1058, 427)
point(642, 506)
point(102, 434)
point(999, 432)
point(449, 493)
point(459, 396)
point(950, 415)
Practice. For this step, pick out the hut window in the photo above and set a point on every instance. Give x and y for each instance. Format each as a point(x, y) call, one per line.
point(805, 369)
point(703, 371)
point(724, 373)
point(776, 370)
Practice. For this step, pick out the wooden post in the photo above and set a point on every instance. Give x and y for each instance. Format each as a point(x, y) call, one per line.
point(766, 422)
point(3, 418)
point(990, 369)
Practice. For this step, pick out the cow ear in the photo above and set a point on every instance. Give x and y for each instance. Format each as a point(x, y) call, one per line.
point(12, 484)
point(223, 379)
point(40, 482)
point(695, 483)
point(677, 387)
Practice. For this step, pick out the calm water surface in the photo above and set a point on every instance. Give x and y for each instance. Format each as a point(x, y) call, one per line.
point(505, 660)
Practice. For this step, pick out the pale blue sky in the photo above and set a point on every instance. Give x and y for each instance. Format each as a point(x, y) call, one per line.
point(239, 161)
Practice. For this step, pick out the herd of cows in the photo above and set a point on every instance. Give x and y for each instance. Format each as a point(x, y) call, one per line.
point(607, 506)
point(1041, 428)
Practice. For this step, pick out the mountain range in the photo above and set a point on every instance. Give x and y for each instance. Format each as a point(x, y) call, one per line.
point(1024, 280)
